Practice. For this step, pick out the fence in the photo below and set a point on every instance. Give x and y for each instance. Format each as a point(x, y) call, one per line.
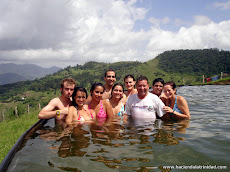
point(3, 116)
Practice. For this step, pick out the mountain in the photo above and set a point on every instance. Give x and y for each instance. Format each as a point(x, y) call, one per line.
point(10, 72)
point(6, 78)
point(181, 66)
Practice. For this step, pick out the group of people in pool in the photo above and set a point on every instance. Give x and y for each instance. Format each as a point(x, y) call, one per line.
point(110, 101)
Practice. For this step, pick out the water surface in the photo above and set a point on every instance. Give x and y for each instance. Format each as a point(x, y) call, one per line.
point(204, 141)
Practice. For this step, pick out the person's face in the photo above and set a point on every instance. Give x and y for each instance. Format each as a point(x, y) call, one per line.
point(97, 93)
point(142, 88)
point(117, 92)
point(110, 78)
point(129, 83)
point(169, 91)
point(67, 89)
point(80, 98)
point(157, 88)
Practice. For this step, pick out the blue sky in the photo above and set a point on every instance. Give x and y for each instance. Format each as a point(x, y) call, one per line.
point(70, 32)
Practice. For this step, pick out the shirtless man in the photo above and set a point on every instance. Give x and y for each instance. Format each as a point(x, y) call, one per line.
point(110, 78)
point(58, 107)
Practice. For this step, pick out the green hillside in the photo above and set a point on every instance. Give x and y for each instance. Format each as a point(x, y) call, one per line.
point(181, 66)
point(195, 62)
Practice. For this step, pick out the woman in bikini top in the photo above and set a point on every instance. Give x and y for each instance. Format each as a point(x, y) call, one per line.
point(99, 108)
point(176, 106)
point(78, 112)
point(116, 100)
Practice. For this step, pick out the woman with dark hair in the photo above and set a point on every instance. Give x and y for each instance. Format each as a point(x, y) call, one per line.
point(115, 100)
point(176, 106)
point(130, 82)
point(98, 107)
point(78, 112)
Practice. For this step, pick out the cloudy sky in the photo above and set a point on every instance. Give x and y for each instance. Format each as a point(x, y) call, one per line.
point(69, 32)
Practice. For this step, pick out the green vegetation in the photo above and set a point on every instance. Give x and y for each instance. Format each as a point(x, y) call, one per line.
point(11, 130)
point(195, 62)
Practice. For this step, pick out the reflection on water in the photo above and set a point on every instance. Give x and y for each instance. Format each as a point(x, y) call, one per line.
point(136, 145)
point(116, 146)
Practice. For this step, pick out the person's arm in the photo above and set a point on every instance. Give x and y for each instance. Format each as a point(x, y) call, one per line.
point(127, 111)
point(183, 106)
point(160, 107)
point(69, 117)
point(108, 110)
point(49, 110)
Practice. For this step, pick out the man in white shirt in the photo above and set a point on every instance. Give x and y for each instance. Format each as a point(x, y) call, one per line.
point(144, 105)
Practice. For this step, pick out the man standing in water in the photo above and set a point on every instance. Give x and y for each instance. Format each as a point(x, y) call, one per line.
point(58, 107)
point(144, 105)
point(158, 85)
point(110, 78)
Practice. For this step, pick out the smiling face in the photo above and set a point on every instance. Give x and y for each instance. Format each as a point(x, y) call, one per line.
point(130, 83)
point(142, 88)
point(157, 88)
point(97, 93)
point(110, 78)
point(117, 92)
point(80, 98)
point(169, 91)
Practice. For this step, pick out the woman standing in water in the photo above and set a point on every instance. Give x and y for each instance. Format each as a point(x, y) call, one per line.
point(176, 106)
point(115, 100)
point(78, 112)
point(130, 85)
point(99, 108)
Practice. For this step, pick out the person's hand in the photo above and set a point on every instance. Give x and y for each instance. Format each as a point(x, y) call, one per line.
point(167, 109)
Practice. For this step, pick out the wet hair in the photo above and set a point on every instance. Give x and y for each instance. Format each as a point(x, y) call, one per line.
point(142, 78)
point(70, 81)
point(118, 84)
point(76, 89)
point(129, 76)
point(171, 83)
point(110, 70)
point(158, 80)
point(96, 84)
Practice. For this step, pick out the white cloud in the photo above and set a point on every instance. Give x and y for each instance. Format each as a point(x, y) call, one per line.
point(223, 5)
point(212, 35)
point(158, 22)
point(202, 20)
point(76, 31)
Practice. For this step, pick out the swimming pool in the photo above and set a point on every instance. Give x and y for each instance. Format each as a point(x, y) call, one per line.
point(202, 142)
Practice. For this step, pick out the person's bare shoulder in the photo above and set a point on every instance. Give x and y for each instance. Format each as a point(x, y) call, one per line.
point(134, 91)
point(180, 99)
point(105, 102)
point(55, 101)
point(72, 108)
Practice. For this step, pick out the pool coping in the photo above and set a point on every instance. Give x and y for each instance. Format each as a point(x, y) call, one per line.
point(10, 155)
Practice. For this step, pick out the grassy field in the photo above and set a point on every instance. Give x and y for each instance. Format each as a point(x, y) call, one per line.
point(11, 130)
